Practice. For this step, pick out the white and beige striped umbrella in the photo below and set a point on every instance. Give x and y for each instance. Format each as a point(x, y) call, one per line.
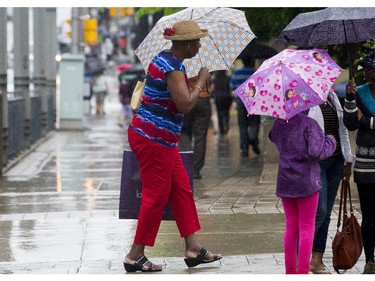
point(228, 34)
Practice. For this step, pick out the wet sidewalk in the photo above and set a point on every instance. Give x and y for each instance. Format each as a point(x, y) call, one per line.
point(59, 208)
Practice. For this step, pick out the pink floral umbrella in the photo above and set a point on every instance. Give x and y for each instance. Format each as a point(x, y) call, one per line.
point(289, 82)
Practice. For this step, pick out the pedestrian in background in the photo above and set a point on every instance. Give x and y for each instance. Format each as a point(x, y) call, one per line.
point(108, 49)
point(100, 90)
point(195, 127)
point(359, 114)
point(301, 144)
point(125, 93)
point(248, 125)
point(220, 91)
point(330, 117)
point(153, 136)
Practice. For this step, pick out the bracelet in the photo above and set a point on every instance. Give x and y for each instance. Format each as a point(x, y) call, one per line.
point(199, 88)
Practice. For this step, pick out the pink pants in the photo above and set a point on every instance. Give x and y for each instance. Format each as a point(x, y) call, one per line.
point(164, 179)
point(300, 227)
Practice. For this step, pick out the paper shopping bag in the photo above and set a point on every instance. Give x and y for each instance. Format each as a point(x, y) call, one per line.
point(131, 187)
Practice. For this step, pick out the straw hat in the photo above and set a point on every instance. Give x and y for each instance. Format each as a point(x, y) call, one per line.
point(184, 30)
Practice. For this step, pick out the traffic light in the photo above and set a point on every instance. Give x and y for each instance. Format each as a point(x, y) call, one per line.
point(121, 12)
point(90, 31)
point(68, 30)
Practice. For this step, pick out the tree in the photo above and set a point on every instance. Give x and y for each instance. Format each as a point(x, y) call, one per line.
point(268, 23)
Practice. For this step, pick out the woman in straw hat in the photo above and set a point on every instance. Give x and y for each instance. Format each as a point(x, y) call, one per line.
point(153, 136)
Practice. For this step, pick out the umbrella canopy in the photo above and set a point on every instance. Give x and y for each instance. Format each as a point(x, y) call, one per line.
point(330, 26)
point(132, 73)
point(228, 35)
point(257, 50)
point(288, 83)
point(121, 67)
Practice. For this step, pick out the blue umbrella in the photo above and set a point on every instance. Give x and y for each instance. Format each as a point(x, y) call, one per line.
point(330, 26)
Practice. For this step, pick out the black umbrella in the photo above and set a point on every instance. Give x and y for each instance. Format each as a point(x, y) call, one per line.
point(330, 26)
point(257, 51)
point(136, 72)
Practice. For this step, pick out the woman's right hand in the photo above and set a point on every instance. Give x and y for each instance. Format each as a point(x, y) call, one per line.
point(203, 76)
point(351, 87)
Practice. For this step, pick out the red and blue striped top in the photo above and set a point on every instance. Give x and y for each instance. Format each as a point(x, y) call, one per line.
point(157, 117)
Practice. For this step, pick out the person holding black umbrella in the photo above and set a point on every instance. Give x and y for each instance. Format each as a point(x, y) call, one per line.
point(359, 114)
point(332, 170)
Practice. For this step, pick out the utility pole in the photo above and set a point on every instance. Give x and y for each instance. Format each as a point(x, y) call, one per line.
point(21, 65)
point(51, 66)
point(3, 51)
point(40, 41)
point(3, 78)
point(21, 49)
point(75, 30)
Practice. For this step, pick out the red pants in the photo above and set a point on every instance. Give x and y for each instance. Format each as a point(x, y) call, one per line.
point(164, 179)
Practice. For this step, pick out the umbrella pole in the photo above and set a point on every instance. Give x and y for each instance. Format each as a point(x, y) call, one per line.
point(350, 62)
point(349, 56)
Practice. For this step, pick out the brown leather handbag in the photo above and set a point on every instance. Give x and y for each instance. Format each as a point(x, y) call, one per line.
point(347, 243)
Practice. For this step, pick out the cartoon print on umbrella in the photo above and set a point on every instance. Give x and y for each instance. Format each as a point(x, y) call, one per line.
point(291, 95)
point(288, 83)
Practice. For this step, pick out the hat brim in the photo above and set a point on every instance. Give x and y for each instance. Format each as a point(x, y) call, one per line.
point(201, 34)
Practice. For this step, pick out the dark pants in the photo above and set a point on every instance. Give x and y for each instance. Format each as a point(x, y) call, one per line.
point(331, 171)
point(248, 126)
point(366, 194)
point(223, 104)
point(194, 132)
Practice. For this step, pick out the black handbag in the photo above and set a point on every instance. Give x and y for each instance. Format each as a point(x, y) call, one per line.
point(131, 187)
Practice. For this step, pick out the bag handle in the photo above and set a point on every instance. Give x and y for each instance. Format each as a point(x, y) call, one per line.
point(345, 194)
point(341, 205)
point(350, 197)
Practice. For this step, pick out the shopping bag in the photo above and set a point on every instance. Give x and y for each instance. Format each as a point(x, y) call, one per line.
point(136, 98)
point(131, 188)
point(347, 243)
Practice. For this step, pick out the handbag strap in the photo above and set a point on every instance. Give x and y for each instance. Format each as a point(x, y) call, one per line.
point(350, 197)
point(345, 194)
point(341, 205)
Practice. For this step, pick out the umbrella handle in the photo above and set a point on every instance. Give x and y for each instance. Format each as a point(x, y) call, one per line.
point(349, 56)
point(350, 63)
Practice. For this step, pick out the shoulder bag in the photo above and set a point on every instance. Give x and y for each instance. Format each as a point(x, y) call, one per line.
point(137, 95)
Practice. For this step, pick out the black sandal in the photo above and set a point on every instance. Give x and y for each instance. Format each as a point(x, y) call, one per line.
point(139, 265)
point(201, 258)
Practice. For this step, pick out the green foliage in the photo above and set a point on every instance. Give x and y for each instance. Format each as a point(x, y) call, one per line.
point(268, 23)
point(150, 11)
point(366, 47)
point(146, 11)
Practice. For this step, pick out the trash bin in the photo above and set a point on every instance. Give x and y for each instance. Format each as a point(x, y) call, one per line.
point(71, 92)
